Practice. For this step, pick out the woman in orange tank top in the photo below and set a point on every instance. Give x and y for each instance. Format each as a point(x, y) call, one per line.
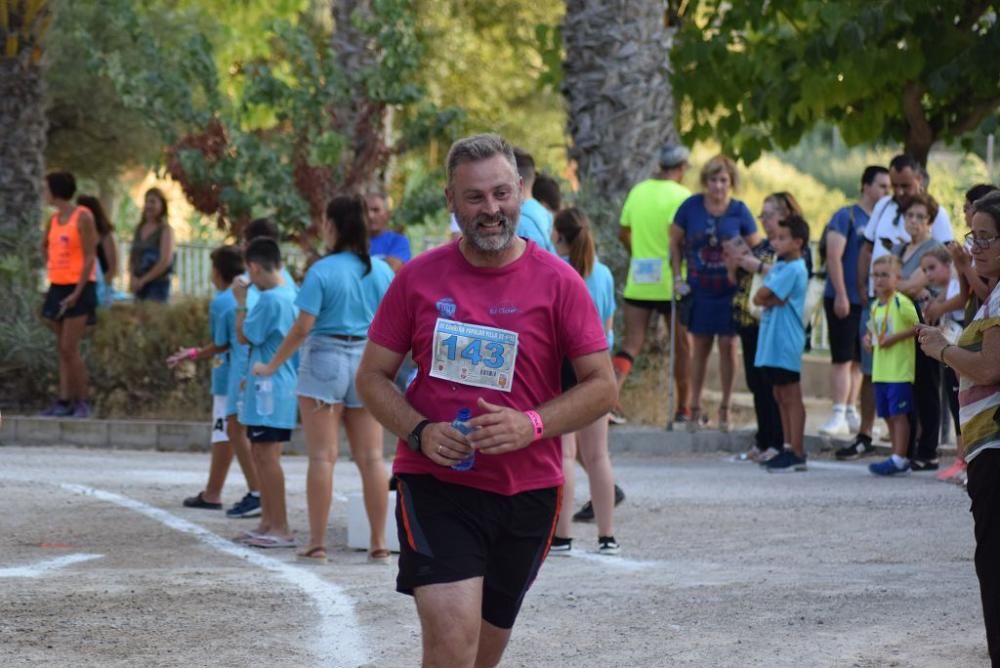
point(70, 250)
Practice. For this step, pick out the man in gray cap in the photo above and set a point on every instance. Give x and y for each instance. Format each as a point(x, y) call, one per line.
point(645, 231)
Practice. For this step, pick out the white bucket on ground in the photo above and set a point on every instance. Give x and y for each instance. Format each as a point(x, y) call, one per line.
point(358, 533)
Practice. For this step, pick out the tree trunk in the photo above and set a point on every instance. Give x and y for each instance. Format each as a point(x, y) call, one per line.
point(22, 162)
point(360, 119)
point(617, 89)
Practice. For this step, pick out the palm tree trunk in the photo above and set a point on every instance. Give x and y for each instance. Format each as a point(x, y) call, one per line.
point(22, 164)
point(617, 88)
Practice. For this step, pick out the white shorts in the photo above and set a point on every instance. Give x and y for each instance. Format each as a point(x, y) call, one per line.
point(219, 434)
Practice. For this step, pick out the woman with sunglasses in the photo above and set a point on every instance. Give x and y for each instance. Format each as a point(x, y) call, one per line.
point(701, 226)
point(976, 360)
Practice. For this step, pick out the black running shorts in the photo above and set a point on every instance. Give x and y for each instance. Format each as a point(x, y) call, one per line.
point(845, 345)
point(777, 376)
point(449, 533)
point(268, 435)
point(85, 305)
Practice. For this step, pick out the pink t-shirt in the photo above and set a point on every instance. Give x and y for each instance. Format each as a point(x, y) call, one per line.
point(540, 298)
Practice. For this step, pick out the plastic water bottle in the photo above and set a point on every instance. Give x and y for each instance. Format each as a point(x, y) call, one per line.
point(264, 391)
point(461, 424)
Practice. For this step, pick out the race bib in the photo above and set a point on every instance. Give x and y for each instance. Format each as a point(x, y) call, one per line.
point(474, 355)
point(647, 270)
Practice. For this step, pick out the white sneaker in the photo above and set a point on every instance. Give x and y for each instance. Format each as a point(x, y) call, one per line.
point(836, 425)
point(853, 419)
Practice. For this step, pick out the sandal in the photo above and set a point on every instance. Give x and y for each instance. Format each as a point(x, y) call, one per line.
point(315, 555)
point(695, 422)
point(380, 556)
point(724, 419)
point(267, 542)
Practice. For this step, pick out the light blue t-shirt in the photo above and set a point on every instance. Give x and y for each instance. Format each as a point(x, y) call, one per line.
point(341, 296)
point(782, 336)
point(601, 285)
point(239, 354)
point(390, 244)
point(535, 223)
point(265, 327)
point(222, 306)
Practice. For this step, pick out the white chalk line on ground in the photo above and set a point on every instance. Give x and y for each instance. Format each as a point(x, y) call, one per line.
point(616, 561)
point(340, 641)
point(43, 567)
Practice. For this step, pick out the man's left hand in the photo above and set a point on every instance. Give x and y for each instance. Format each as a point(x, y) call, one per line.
point(261, 369)
point(500, 429)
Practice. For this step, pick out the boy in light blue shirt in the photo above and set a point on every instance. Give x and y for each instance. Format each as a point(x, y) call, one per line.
point(783, 337)
point(269, 409)
point(228, 437)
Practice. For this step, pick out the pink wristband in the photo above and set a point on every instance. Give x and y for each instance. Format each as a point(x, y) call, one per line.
point(536, 422)
point(192, 353)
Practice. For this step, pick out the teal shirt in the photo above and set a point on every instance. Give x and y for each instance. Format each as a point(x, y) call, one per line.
point(265, 327)
point(782, 336)
point(601, 285)
point(535, 223)
point(221, 308)
point(239, 354)
point(341, 295)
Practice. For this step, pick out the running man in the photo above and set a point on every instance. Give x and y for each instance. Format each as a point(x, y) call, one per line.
point(489, 320)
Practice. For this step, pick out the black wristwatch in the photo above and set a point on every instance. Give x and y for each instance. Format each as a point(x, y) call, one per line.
point(413, 440)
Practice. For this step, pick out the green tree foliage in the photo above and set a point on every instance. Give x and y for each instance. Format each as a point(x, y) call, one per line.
point(489, 59)
point(760, 75)
point(263, 131)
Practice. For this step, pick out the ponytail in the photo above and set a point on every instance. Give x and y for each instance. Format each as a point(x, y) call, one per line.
point(574, 227)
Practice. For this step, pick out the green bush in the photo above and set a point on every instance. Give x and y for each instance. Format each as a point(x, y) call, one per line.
point(126, 353)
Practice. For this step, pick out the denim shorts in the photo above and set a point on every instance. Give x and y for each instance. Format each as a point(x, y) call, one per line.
point(327, 369)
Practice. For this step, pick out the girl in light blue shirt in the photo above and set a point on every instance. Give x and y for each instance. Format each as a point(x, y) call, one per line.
point(336, 303)
point(573, 240)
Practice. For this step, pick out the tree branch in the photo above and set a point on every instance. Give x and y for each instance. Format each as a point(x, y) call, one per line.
point(974, 115)
point(916, 118)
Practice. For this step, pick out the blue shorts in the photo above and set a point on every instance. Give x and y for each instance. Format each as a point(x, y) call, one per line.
point(867, 356)
point(711, 315)
point(327, 370)
point(892, 399)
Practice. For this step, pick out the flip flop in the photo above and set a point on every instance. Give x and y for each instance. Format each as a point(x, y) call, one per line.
point(268, 542)
point(244, 536)
point(198, 501)
point(315, 555)
point(380, 557)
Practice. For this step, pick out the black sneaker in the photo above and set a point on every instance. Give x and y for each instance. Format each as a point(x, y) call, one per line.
point(607, 545)
point(861, 447)
point(787, 461)
point(586, 513)
point(561, 546)
point(924, 465)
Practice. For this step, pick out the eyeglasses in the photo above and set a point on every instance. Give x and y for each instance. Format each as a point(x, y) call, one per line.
point(982, 243)
point(880, 274)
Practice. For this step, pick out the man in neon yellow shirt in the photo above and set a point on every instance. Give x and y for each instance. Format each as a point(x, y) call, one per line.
point(645, 231)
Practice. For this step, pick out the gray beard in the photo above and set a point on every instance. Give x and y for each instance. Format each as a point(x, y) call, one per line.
point(488, 244)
